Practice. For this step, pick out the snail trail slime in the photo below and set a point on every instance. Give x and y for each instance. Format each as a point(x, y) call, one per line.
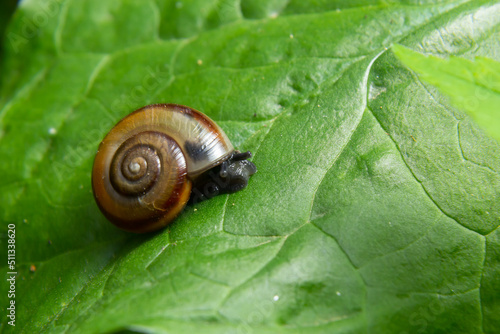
point(157, 158)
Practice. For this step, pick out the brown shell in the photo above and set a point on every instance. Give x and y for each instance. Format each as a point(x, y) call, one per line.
point(144, 167)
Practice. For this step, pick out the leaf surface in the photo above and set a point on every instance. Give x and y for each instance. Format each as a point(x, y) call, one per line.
point(473, 86)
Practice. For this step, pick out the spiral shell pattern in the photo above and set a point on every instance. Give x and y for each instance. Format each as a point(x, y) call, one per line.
point(144, 168)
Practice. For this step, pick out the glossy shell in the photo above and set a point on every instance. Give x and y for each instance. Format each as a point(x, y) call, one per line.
point(144, 168)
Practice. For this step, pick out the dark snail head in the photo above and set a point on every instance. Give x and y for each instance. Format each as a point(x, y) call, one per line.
point(239, 173)
point(146, 165)
point(230, 176)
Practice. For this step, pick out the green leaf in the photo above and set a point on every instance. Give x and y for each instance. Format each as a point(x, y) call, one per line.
point(473, 86)
point(7, 7)
point(375, 207)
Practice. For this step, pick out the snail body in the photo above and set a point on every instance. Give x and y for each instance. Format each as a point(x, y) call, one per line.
point(148, 165)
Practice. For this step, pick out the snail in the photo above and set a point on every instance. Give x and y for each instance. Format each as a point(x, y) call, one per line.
point(158, 157)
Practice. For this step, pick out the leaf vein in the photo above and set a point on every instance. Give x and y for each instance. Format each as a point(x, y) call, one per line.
point(416, 178)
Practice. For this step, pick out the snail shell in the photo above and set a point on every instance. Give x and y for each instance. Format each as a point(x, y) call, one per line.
point(146, 165)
